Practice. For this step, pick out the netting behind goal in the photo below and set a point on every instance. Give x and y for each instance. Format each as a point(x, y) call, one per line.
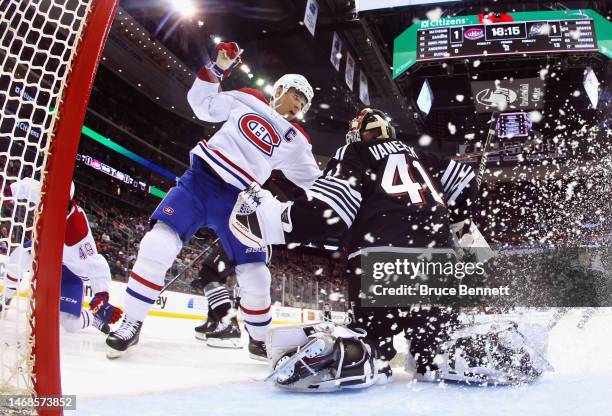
point(49, 50)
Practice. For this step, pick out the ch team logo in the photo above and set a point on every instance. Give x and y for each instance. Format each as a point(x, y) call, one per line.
point(474, 33)
point(168, 210)
point(259, 132)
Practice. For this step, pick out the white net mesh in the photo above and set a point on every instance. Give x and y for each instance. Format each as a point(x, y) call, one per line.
point(38, 41)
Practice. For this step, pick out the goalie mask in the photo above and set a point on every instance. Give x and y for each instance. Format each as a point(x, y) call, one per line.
point(370, 119)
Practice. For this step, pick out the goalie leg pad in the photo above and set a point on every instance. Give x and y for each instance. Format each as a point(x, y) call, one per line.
point(498, 354)
point(332, 359)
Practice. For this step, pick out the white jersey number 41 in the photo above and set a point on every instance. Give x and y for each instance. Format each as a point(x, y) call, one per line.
point(399, 179)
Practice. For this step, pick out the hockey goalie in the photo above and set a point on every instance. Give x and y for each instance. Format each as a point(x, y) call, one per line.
point(377, 191)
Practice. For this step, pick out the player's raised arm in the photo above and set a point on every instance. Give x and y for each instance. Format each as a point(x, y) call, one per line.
point(204, 97)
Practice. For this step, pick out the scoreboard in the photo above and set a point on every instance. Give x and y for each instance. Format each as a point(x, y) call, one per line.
point(506, 38)
point(513, 33)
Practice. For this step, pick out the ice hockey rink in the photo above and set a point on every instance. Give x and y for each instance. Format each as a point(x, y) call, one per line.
point(171, 373)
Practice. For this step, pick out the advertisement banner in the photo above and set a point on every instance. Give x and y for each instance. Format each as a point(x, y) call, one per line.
point(506, 95)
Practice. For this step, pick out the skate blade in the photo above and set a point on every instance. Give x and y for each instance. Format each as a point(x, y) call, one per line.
point(200, 337)
point(229, 343)
point(258, 357)
point(113, 354)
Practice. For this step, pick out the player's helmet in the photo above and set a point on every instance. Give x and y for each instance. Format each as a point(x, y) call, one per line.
point(294, 81)
point(370, 119)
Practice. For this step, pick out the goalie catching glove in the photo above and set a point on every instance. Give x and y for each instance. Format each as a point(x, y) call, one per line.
point(258, 219)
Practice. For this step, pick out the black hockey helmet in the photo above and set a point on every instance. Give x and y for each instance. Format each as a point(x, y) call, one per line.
point(370, 119)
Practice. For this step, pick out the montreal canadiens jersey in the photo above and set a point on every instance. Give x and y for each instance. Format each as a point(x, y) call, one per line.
point(386, 193)
point(80, 255)
point(253, 140)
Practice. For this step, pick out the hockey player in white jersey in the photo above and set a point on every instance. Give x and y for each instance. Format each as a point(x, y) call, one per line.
point(256, 137)
point(81, 264)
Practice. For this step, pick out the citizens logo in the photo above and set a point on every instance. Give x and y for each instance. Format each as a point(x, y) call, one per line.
point(168, 210)
point(474, 33)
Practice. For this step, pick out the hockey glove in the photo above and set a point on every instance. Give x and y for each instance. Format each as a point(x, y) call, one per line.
point(108, 313)
point(259, 219)
point(227, 57)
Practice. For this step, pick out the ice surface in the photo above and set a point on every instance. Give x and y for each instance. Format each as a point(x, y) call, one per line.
point(170, 373)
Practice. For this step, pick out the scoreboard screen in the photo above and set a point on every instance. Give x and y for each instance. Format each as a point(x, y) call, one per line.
point(506, 38)
point(511, 125)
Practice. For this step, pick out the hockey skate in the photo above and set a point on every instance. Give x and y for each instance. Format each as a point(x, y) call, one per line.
point(225, 335)
point(208, 326)
point(120, 340)
point(257, 350)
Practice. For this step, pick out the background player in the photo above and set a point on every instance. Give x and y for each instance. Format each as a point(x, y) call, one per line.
point(81, 263)
point(255, 138)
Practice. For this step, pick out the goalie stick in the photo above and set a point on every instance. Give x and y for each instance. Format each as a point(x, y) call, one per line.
point(482, 167)
point(175, 278)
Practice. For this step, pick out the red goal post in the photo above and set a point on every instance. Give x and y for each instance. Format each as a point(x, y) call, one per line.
point(50, 222)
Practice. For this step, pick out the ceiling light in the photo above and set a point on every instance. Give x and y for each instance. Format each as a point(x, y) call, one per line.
point(185, 7)
point(217, 40)
point(259, 82)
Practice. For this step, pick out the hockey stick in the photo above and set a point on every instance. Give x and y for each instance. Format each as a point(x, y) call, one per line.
point(174, 279)
point(483, 162)
point(485, 150)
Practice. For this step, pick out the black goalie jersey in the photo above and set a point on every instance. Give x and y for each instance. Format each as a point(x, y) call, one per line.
point(387, 193)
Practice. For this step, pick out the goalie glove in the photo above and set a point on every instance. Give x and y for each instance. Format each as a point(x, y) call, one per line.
point(258, 219)
point(102, 309)
point(227, 57)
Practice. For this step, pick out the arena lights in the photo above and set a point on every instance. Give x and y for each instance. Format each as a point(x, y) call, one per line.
point(217, 40)
point(269, 89)
point(185, 7)
point(245, 68)
point(260, 82)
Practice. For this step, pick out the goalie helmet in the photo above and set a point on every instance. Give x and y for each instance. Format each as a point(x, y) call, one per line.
point(370, 119)
point(298, 82)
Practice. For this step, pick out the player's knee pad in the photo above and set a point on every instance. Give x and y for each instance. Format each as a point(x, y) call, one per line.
point(254, 280)
point(160, 246)
point(70, 322)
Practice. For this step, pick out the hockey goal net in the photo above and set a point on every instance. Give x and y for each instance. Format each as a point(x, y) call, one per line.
point(49, 51)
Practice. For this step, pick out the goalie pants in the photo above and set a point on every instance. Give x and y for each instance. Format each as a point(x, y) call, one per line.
point(425, 327)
